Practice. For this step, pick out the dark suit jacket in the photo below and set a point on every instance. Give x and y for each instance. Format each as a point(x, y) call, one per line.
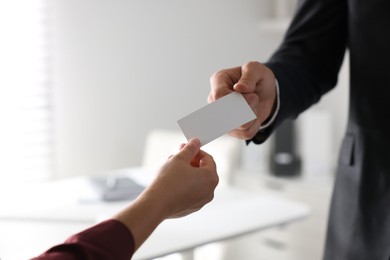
point(307, 65)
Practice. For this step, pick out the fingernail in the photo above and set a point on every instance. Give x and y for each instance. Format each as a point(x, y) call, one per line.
point(195, 141)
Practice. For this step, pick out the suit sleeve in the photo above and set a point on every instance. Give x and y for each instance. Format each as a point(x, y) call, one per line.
point(108, 240)
point(309, 58)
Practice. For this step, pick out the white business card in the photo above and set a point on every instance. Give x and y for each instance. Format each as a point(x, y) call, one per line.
point(217, 118)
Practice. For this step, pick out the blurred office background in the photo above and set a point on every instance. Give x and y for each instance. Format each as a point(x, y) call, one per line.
point(82, 83)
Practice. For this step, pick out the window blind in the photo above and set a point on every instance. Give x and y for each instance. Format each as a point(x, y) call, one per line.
point(26, 131)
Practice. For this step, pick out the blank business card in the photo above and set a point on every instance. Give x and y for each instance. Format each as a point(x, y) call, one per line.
point(217, 118)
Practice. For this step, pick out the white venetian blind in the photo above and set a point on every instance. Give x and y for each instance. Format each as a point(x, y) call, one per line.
point(25, 93)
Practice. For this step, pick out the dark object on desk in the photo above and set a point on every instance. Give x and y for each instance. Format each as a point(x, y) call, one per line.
point(114, 188)
point(284, 158)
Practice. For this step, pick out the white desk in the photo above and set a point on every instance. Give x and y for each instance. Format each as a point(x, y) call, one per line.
point(50, 213)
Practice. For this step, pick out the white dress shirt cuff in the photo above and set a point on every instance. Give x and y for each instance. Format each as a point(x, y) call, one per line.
point(277, 107)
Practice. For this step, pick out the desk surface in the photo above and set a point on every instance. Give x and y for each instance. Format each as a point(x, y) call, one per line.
point(232, 213)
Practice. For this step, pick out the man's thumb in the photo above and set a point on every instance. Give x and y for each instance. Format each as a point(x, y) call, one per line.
point(249, 78)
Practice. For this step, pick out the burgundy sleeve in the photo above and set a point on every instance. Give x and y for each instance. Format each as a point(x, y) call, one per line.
point(107, 240)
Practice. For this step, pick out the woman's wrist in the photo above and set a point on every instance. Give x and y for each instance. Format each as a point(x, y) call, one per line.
point(142, 216)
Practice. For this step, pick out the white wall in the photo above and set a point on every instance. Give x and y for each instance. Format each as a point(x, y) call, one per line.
point(123, 67)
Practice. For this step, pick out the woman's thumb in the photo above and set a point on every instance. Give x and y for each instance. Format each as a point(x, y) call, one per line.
point(190, 150)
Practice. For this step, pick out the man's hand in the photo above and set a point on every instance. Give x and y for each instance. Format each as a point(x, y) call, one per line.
point(257, 84)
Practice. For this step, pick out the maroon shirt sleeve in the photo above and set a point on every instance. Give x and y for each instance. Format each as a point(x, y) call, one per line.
point(109, 239)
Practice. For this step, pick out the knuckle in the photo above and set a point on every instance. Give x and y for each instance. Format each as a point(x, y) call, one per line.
point(251, 64)
point(216, 180)
point(216, 75)
point(209, 198)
